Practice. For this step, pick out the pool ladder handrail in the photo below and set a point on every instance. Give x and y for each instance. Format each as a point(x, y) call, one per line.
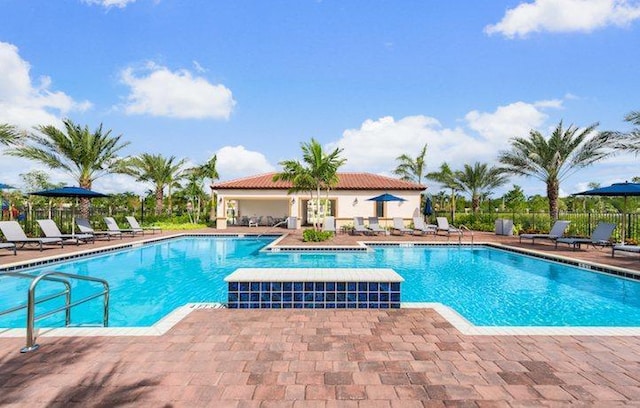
point(279, 223)
point(462, 227)
point(55, 276)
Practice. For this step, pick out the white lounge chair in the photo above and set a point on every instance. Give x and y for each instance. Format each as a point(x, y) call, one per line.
point(10, 246)
point(85, 228)
point(359, 228)
point(625, 248)
point(13, 232)
point(398, 225)
point(601, 236)
point(51, 230)
point(374, 226)
point(443, 225)
point(329, 224)
point(136, 226)
point(421, 227)
point(557, 231)
point(112, 226)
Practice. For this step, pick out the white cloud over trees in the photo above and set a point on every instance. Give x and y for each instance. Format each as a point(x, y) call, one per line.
point(157, 91)
point(565, 16)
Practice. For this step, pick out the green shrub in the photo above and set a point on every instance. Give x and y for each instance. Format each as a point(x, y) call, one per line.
point(311, 235)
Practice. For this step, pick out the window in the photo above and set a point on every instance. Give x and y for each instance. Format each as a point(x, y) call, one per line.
point(380, 209)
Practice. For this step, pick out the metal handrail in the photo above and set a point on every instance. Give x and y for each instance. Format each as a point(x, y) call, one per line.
point(66, 292)
point(31, 303)
point(464, 227)
point(274, 226)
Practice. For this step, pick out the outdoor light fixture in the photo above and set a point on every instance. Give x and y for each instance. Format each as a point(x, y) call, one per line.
point(293, 200)
point(355, 201)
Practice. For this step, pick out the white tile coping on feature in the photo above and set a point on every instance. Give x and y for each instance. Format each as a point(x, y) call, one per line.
point(314, 275)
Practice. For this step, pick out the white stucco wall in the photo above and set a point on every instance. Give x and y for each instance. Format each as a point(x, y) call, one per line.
point(349, 204)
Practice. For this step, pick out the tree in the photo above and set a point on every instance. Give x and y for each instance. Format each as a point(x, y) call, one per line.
point(515, 199)
point(156, 169)
point(478, 180)
point(209, 170)
point(411, 169)
point(631, 141)
point(447, 179)
point(85, 155)
point(319, 171)
point(554, 159)
point(9, 135)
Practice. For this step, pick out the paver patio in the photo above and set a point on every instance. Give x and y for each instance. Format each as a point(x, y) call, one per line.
point(323, 358)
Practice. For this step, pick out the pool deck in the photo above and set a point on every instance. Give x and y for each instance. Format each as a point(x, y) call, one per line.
point(325, 358)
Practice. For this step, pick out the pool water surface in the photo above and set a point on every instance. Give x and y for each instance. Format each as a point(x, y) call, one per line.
point(488, 287)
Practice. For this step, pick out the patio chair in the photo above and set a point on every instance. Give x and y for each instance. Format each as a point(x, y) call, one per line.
point(14, 234)
point(601, 236)
point(136, 226)
point(10, 246)
point(374, 226)
point(625, 248)
point(112, 225)
point(443, 225)
point(557, 231)
point(398, 225)
point(85, 228)
point(359, 228)
point(253, 221)
point(329, 224)
point(421, 227)
point(51, 230)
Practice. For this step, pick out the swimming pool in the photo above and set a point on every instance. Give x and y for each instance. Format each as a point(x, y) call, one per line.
point(487, 286)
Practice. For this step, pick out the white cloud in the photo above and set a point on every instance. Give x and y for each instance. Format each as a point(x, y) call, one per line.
point(158, 91)
point(236, 161)
point(109, 3)
point(25, 104)
point(565, 16)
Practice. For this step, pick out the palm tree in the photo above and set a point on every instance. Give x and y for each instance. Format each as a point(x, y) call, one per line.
point(209, 170)
point(411, 169)
point(447, 178)
point(319, 171)
point(157, 169)
point(631, 141)
point(478, 181)
point(554, 159)
point(8, 135)
point(84, 154)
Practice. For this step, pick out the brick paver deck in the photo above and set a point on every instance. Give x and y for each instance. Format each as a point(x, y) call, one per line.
point(322, 358)
point(269, 358)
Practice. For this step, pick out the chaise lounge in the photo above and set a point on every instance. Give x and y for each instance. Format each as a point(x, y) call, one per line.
point(557, 231)
point(138, 228)
point(422, 228)
point(601, 236)
point(443, 225)
point(112, 226)
point(14, 234)
point(51, 230)
point(374, 226)
point(625, 248)
point(86, 228)
point(10, 246)
point(398, 226)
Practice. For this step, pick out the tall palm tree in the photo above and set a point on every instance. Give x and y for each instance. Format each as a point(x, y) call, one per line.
point(446, 177)
point(157, 169)
point(631, 140)
point(209, 170)
point(478, 180)
point(84, 154)
point(318, 171)
point(8, 134)
point(554, 159)
point(411, 169)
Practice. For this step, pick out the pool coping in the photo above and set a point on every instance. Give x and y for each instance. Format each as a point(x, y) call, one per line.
point(453, 317)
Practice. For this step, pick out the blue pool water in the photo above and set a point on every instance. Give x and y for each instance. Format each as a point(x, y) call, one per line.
point(488, 287)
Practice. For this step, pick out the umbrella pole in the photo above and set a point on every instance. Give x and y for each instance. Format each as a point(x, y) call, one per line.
point(624, 219)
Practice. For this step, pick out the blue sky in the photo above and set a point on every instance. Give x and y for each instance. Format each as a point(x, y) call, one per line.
point(251, 80)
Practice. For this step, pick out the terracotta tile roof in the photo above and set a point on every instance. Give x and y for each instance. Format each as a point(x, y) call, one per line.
point(347, 181)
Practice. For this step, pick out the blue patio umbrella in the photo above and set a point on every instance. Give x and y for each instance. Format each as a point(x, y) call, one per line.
point(5, 186)
point(385, 197)
point(625, 190)
point(72, 192)
point(428, 207)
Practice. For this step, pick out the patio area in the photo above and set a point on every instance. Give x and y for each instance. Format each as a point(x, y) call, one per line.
point(323, 358)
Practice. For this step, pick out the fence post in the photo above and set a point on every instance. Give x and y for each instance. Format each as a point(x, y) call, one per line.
point(589, 223)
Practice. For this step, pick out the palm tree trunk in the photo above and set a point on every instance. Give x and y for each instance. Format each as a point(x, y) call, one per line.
point(316, 223)
point(553, 191)
point(212, 211)
point(453, 205)
point(159, 199)
point(475, 203)
point(84, 202)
